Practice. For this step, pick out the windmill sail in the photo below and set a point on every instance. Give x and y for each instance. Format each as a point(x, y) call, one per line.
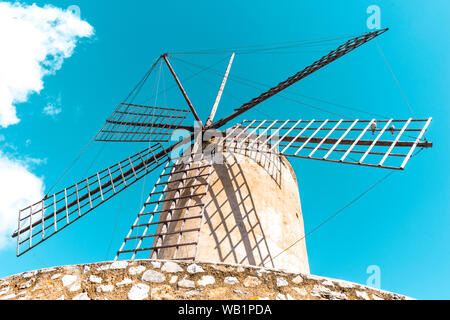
point(168, 225)
point(340, 51)
point(138, 123)
point(40, 221)
point(375, 143)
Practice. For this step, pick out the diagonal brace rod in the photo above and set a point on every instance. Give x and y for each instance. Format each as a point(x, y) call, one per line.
point(183, 91)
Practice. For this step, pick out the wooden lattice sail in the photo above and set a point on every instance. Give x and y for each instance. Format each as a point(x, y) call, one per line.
point(137, 123)
point(170, 219)
point(385, 144)
point(40, 221)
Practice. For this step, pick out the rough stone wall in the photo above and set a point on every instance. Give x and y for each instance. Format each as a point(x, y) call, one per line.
point(157, 279)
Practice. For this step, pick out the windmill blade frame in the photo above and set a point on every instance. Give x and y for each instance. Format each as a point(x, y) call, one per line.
point(139, 123)
point(335, 140)
point(337, 53)
point(176, 198)
point(42, 220)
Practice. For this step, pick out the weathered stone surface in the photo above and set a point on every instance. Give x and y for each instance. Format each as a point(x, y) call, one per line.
point(153, 276)
point(81, 296)
point(281, 296)
point(206, 280)
point(328, 283)
point(29, 274)
point(224, 282)
point(214, 292)
point(119, 265)
point(136, 270)
point(76, 287)
point(239, 292)
point(139, 292)
point(191, 294)
point(297, 279)
point(105, 288)
point(301, 291)
point(164, 292)
point(95, 279)
point(69, 279)
point(193, 268)
point(9, 297)
point(326, 293)
point(281, 282)
point(4, 291)
point(320, 291)
point(185, 283)
point(103, 267)
point(345, 284)
point(362, 295)
point(173, 279)
point(251, 282)
point(124, 282)
point(338, 296)
point(26, 284)
point(260, 272)
point(231, 280)
point(171, 267)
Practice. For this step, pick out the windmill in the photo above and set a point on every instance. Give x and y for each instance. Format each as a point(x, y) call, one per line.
point(184, 216)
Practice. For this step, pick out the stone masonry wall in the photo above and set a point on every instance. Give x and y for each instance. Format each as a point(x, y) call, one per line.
point(157, 279)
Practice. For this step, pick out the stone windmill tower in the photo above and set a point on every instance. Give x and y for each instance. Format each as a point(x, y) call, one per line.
point(231, 196)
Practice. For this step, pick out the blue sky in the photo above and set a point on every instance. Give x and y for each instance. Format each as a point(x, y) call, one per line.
point(401, 226)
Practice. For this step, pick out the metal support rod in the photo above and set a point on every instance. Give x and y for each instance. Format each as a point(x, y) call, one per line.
point(182, 91)
point(219, 94)
point(384, 143)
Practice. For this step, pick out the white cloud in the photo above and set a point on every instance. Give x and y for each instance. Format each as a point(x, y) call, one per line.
point(53, 108)
point(19, 187)
point(34, 43)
